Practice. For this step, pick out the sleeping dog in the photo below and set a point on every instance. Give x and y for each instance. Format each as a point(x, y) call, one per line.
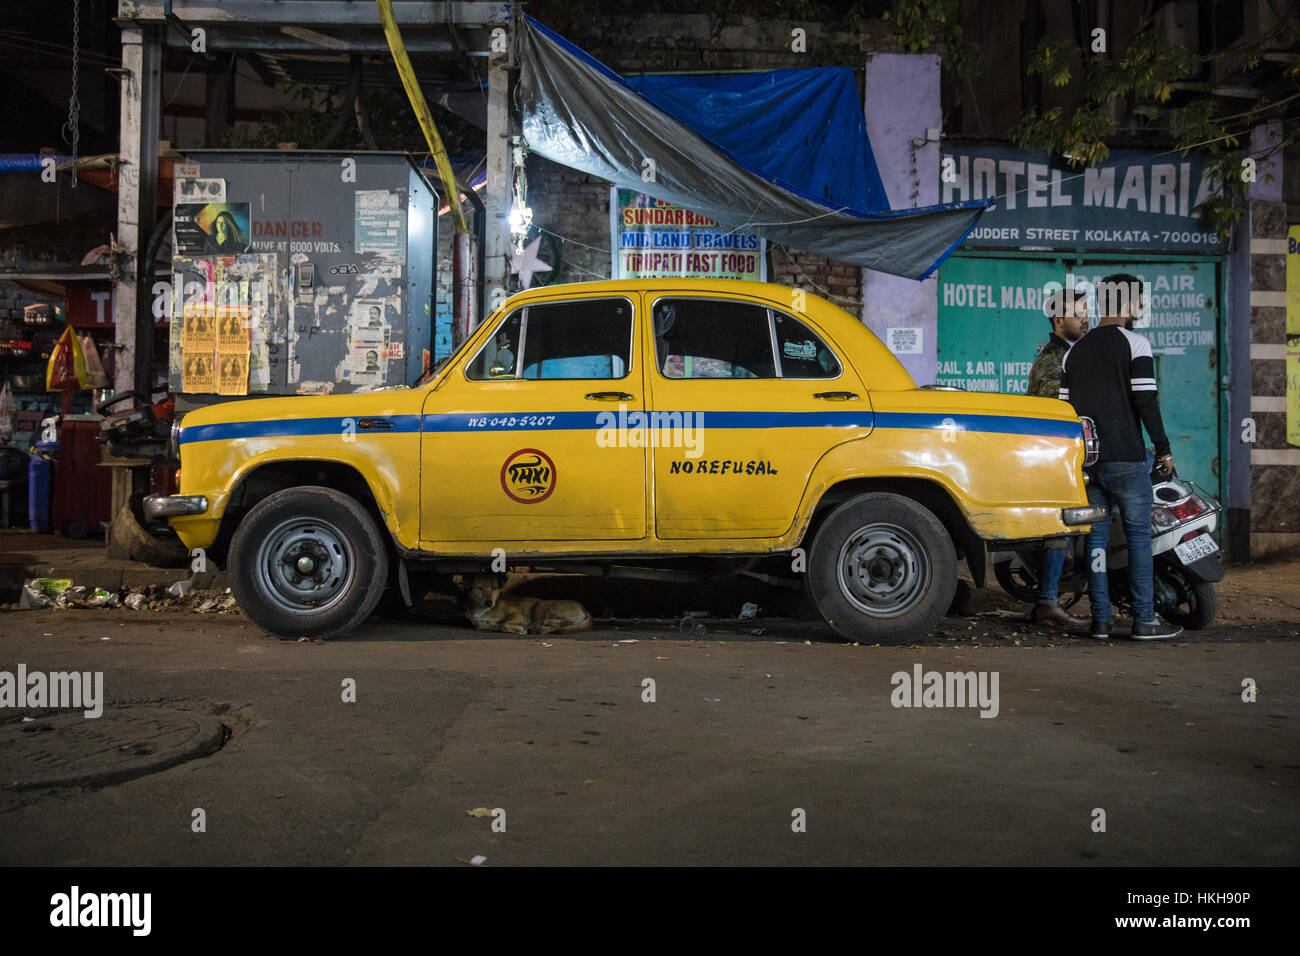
point(489, 610)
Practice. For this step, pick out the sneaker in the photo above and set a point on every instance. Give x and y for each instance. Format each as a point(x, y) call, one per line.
point(1155, 630)
point(1100, 630)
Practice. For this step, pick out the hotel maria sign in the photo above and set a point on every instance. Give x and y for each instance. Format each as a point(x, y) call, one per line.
point(1135, 200)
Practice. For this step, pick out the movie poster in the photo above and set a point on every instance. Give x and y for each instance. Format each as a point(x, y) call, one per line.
point(199, 373)
point(212, 229)
point(232, 373)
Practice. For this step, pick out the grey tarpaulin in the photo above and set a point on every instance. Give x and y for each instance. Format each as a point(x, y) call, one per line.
point(579, 113)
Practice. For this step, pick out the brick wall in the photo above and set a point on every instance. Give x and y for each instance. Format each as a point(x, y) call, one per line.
point(835, 281)
point(1274, 464)
point(574, 208)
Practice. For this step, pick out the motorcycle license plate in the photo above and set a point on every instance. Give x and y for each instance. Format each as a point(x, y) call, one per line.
point(1202, 546)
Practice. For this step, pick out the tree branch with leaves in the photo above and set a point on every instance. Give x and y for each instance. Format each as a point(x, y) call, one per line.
point(1127, 94)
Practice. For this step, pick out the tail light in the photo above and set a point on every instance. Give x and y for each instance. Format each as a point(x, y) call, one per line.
point(1170, 514)
point(1186, 510)
point(1091, 443)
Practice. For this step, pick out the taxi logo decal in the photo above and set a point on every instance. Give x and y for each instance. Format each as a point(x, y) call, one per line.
point(528, 476)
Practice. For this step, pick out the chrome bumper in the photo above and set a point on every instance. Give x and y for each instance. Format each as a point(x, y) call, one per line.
point(171, 506)
point(1089, 514)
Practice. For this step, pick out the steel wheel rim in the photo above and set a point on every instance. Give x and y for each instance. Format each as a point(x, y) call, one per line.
point(305, 565)
point(883, 570)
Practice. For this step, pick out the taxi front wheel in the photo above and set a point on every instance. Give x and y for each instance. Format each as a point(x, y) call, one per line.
point(882, 569)
point(308, 562)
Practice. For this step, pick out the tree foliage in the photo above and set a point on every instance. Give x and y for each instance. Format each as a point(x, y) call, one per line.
point(925, 24)
point(1128, 95)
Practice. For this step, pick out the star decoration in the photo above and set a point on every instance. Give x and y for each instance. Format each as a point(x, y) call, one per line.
point(526, 263)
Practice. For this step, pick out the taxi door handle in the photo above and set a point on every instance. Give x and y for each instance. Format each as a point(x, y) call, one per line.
point(380, 424)
point(837, 396)
point(610, 396)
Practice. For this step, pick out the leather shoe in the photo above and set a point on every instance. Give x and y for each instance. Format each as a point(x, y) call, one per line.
point(1057, 616)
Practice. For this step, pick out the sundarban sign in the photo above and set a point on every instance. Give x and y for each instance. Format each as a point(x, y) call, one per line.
point(654, 239)
point(1135, 200)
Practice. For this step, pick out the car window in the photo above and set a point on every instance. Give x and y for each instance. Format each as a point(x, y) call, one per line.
point(589, 338)
point(712, 338)
point(584, 339)
point(802, 352)
point(498, 358)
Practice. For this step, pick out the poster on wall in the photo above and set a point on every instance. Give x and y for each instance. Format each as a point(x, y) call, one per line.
point(369, 334)
point(199, 373)
point(654, 239)
point(199, 322)
point(206, 229)
point(232, 373)
point(380, 223)
point(227, 309)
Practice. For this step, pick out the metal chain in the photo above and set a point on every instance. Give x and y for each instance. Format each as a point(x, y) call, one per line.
point(72, 131)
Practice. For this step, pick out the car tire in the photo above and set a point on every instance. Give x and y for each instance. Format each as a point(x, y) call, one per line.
point(882, 569)
point(308, 562)
point(134, 540)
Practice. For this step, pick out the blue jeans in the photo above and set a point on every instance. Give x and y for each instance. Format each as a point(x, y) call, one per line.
point(1049, 575)
point(1126, 484)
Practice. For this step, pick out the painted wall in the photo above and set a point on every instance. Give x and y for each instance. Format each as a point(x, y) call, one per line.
point(901, 102)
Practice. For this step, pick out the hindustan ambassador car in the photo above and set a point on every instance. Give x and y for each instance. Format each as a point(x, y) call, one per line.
point(637, 422)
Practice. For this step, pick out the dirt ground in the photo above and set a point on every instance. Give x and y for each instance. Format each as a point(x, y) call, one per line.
point(746, 732)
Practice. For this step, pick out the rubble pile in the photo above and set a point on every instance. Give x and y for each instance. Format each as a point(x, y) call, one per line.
point(40, 593)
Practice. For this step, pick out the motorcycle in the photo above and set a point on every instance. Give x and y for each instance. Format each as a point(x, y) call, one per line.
point(1186, 557)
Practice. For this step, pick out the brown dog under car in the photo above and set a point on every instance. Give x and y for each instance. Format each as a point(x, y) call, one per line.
point(490, 610)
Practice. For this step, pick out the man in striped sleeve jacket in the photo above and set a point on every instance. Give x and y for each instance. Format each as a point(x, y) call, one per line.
point(1109, 376)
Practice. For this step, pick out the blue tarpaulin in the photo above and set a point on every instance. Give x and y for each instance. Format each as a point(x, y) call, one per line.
point(734, 150)
point(801, 128)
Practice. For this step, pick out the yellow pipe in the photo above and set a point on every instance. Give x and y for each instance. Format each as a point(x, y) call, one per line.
point(416, 96)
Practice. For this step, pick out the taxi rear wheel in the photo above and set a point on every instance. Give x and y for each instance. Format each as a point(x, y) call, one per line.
point(882, 569)
point(308, 562)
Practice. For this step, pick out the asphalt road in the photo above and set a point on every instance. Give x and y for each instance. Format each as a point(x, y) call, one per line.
point(744, 731)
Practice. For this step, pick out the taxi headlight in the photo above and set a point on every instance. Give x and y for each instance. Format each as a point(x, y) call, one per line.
point(174, 441)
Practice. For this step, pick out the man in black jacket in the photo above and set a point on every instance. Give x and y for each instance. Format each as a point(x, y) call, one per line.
point(1110, 377)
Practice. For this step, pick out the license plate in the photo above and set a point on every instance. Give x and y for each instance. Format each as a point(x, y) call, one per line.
point(1202, 546)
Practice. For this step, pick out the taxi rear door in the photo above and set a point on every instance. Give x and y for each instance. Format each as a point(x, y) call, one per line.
point(744, 399)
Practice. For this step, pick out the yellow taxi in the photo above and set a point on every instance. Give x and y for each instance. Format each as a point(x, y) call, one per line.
point(637, 422)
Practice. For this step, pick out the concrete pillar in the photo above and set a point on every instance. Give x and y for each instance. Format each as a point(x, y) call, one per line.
point(1263, 475)
point(902, 103)
point(137, 201)
point(497, 192)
